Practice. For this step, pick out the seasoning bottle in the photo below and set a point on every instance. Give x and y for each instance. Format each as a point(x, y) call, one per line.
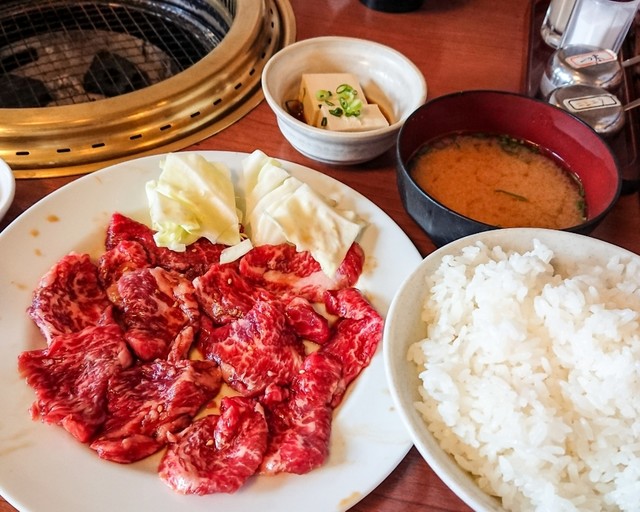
point(600, 23)
point(555, 21)
point(581, 64)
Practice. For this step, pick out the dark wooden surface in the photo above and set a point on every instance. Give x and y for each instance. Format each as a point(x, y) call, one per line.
point(458, 45)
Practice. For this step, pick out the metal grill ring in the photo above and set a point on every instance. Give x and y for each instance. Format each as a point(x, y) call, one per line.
point(89, 83)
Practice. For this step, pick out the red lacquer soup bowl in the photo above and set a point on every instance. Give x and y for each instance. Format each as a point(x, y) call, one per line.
point(573, 143)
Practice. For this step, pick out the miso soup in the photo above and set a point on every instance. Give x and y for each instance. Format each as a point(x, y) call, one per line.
point(500, 181)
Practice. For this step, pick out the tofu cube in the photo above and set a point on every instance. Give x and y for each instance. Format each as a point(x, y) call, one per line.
point(314, 82)
point(370, 118)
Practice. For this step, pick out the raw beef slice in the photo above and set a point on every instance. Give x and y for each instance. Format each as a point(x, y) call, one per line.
point(217, 453)
point(193, 262)
point(70, 377)
point(306, 321)
point(224, 294)
point(149, 402)
point(300, 426)
point(68, 298)
point(126, 256)
point(356, 333)
point(254, 351)
point(286, 272)
point(161, 313)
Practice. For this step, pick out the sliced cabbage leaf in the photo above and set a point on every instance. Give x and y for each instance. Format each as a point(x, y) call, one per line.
point(281, 208)
point(193, 198)
point(260, 225)
point(310, 223)
point(252, 167)
point(262, 177)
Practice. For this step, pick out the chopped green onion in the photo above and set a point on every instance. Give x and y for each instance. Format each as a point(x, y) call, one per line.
point(323, 122)
point(323, 95)
point(353, 108)
point(512, 194)
point(350, 104)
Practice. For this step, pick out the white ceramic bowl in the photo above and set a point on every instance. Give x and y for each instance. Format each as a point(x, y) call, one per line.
point(387, 77)
point(7, 188)
point(404, 327)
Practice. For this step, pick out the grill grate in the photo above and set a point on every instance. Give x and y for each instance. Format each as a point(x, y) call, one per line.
point(54, 53)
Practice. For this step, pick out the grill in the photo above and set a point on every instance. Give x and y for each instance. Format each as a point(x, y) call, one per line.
point(87, 84)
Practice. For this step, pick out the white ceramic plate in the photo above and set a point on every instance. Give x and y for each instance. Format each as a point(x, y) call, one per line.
point(43, 468)
point(404, 326)
point(7, 188)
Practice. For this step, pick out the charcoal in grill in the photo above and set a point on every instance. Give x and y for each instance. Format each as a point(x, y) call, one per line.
point(112, 75)
point(22, 92)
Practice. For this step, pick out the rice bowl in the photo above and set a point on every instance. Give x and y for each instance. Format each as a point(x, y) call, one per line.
point(526, 373)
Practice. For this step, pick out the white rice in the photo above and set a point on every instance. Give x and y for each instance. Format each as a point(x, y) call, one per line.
point(531, 377)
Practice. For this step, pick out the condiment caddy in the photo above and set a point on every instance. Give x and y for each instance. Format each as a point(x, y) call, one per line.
point(614, 76)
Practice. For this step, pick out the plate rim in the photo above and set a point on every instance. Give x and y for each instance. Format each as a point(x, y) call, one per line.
point(7, 188)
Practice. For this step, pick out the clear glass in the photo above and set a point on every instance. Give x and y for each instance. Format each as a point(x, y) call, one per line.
point(600, 23)
point(555, 21)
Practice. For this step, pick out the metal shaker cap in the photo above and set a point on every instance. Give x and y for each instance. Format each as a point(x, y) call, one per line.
point(582, 65)
point(597, 107)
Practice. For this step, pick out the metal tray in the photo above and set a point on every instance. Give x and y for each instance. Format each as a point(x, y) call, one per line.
point(625, 144)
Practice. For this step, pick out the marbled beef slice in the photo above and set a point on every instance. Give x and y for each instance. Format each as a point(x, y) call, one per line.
point(160, 313)
point(70, 377)
point(150, 401)
point(193, 262)
point(217, 453)
point(69, 297)
point(254, 351)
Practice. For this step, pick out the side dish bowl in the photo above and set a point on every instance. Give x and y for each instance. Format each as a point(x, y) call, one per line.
point(7, 188)
point(388, 79)
point(572, 142)
point(404, 326)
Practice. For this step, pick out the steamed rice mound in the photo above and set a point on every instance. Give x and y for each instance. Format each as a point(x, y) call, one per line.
point(531, 377)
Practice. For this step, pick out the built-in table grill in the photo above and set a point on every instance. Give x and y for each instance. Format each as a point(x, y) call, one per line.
point(87, 83)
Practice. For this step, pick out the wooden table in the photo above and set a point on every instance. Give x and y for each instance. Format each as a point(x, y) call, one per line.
point(458, 45)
